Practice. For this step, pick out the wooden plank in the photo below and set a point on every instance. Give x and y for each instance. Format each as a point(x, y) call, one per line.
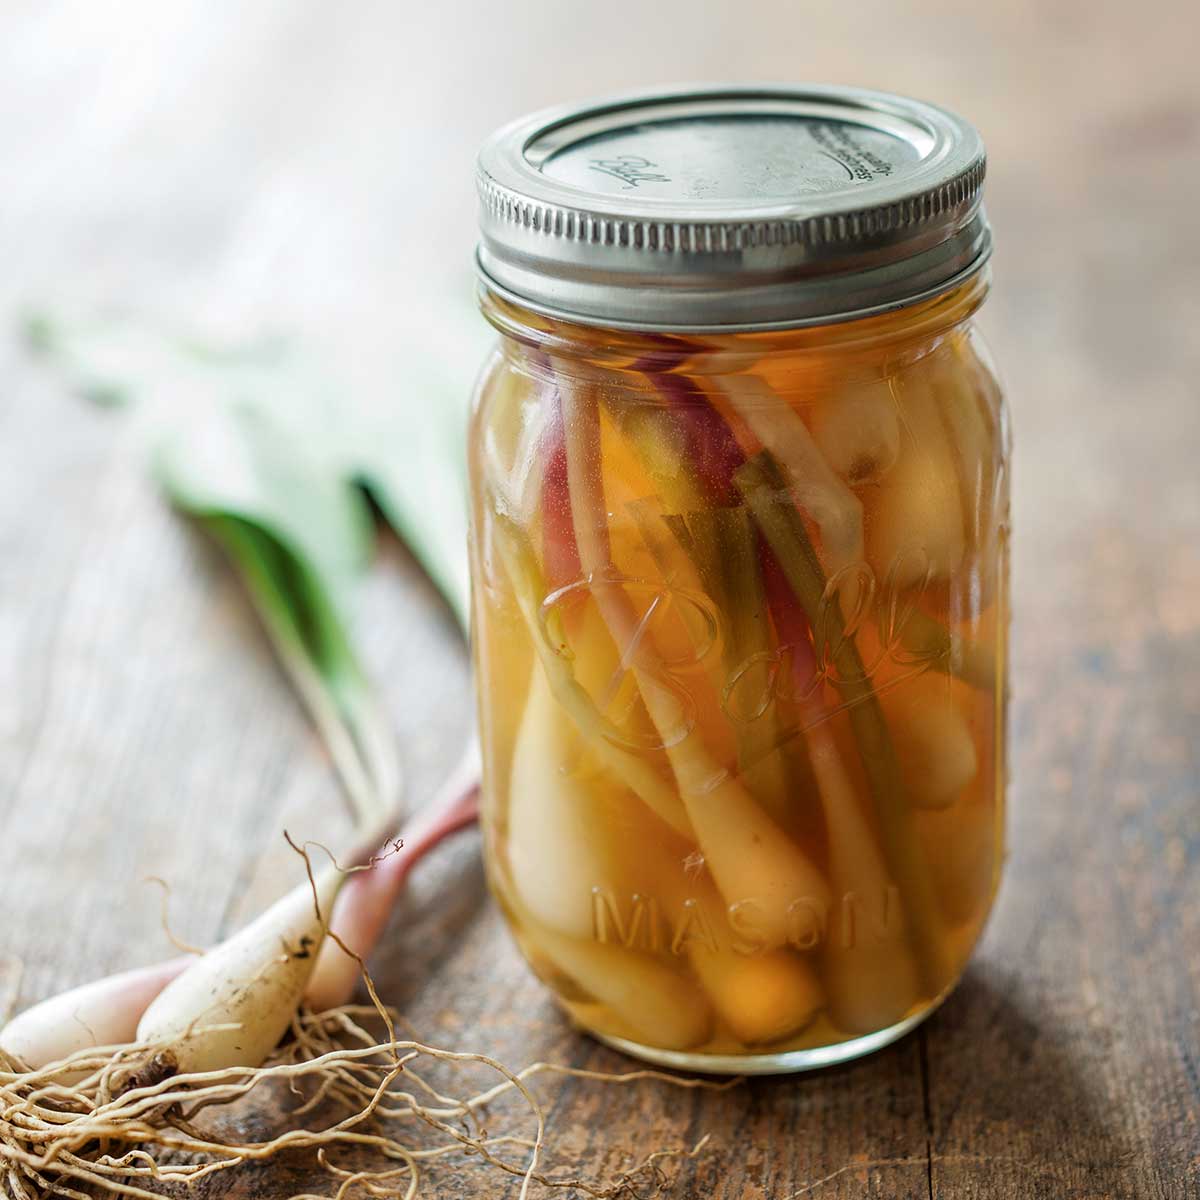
point(288, 168)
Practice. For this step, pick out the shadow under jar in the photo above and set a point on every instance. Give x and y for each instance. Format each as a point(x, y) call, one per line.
point(739, 471)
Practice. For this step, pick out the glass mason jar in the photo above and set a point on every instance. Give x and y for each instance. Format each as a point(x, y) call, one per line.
point(739, 561)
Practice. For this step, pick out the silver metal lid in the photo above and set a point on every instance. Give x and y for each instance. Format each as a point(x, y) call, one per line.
point(731, 207)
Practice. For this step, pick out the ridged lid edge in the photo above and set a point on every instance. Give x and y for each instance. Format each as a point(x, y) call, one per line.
point(708, 237)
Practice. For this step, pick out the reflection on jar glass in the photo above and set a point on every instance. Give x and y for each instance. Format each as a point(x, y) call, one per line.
point(740, 582)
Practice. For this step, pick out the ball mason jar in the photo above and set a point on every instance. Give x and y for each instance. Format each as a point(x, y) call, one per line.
point(739, 468)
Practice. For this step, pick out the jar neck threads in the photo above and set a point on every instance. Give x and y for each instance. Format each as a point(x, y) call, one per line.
point(904, 334)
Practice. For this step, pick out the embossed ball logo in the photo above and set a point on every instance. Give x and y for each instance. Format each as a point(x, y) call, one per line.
point(630, 169)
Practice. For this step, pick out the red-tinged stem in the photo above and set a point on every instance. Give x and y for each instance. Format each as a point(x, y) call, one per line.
point(710, 448)
point(791, 622)
point(560, 554)
point(671, 353)
point(762, 483)
point(365, 903)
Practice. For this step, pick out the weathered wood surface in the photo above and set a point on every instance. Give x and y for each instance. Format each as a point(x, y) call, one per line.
point(307, 166)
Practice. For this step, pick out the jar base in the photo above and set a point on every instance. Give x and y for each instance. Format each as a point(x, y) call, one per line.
point(785, 1062)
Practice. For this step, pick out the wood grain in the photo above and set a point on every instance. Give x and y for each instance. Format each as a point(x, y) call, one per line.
point(298, 166)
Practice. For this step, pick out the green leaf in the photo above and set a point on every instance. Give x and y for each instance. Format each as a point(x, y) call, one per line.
point(310, 639)
point(411, 457)
point(238, 459)
point(262, 425)
point(272, 459)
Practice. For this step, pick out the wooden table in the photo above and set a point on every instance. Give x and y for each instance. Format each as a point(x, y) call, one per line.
point(308, 167)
